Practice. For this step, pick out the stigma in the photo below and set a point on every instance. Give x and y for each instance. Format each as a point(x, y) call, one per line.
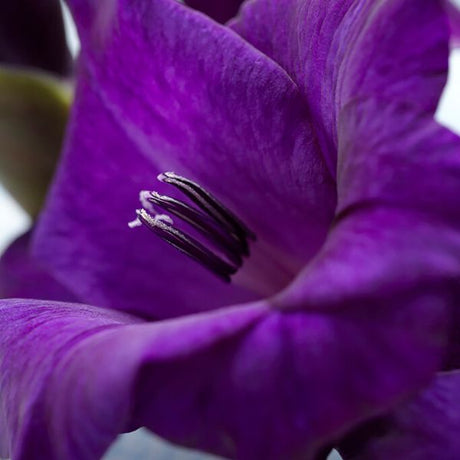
point(220, 241)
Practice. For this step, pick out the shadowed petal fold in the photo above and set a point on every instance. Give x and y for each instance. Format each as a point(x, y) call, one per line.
point(337, 51)
point(221, 113)
point(401, 158)
point(247, 382)
point(221, 11)
point(423, 428)
point(22, 276)
point(397, 226)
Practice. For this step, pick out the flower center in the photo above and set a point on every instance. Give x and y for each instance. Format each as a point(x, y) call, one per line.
point(222, 240)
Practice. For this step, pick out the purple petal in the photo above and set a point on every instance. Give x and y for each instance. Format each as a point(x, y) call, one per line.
point(22, 276)
point(32, 34)
point(221, 11)
point(397, 225)
point(400, 158)
point(426, 427)
point(165, 88)
point(248, 382)
point(454, 17)
point(338, 51)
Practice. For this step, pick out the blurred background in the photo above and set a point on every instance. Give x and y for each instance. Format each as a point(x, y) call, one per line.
point(14, 221)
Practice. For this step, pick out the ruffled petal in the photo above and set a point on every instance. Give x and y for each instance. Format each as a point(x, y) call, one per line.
point(22, 276)
point(248, 382)
point(32, 34)
point(337, 51)
point(161, 88)
point(221, 11)
point(423, 428)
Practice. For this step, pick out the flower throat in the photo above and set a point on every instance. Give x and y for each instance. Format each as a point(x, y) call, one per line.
point(227, 235)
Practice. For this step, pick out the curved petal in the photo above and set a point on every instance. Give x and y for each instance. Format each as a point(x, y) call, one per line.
point(337, 51)
point(21, 276)
point(32, 34)
point(423, 428)
point(165, 88)
point(397, 227)
point(247, 382)
point(220, 11)
point(397, 230)
point(401, 158)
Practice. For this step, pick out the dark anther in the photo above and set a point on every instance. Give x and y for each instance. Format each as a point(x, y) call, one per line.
point(209, 204)
point(206, 225)
point(227, 235)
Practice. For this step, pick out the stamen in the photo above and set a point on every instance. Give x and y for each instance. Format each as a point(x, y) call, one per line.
point(226, 232)
point(226, 242)
point(208, 203)
point(187, 245)
point(144, 199)
point(135, 223)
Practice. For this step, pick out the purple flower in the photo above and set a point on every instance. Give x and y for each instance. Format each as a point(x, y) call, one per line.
point(312, 121)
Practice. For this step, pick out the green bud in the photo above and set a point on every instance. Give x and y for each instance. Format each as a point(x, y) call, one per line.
point(34, 108)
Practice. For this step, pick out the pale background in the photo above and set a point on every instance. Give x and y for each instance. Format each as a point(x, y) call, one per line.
point(141, 445)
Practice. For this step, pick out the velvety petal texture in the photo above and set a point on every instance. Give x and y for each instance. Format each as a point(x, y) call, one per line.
point(221, 113)
point(425, 427)
point(22, 276)
point(247, 382)
point(341, 50)
point(401, 157)
point(220, 11)
point(344, 96)
point(32, 34)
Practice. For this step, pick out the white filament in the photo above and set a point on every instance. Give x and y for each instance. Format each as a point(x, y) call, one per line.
point(144, 199)
point(135, 223)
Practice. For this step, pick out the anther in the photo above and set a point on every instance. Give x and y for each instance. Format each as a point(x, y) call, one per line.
point(204, 224)
point(187, 245)
point(209, 204)
point(226, 233)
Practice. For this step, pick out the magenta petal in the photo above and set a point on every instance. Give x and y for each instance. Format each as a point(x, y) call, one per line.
point(83, 237)
point(425, 427)
point(400, 158)
point(397, 225)
point(22, 276)
point(338, 51)
point(222, 114)
point(246, 382)
point(221, 10)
